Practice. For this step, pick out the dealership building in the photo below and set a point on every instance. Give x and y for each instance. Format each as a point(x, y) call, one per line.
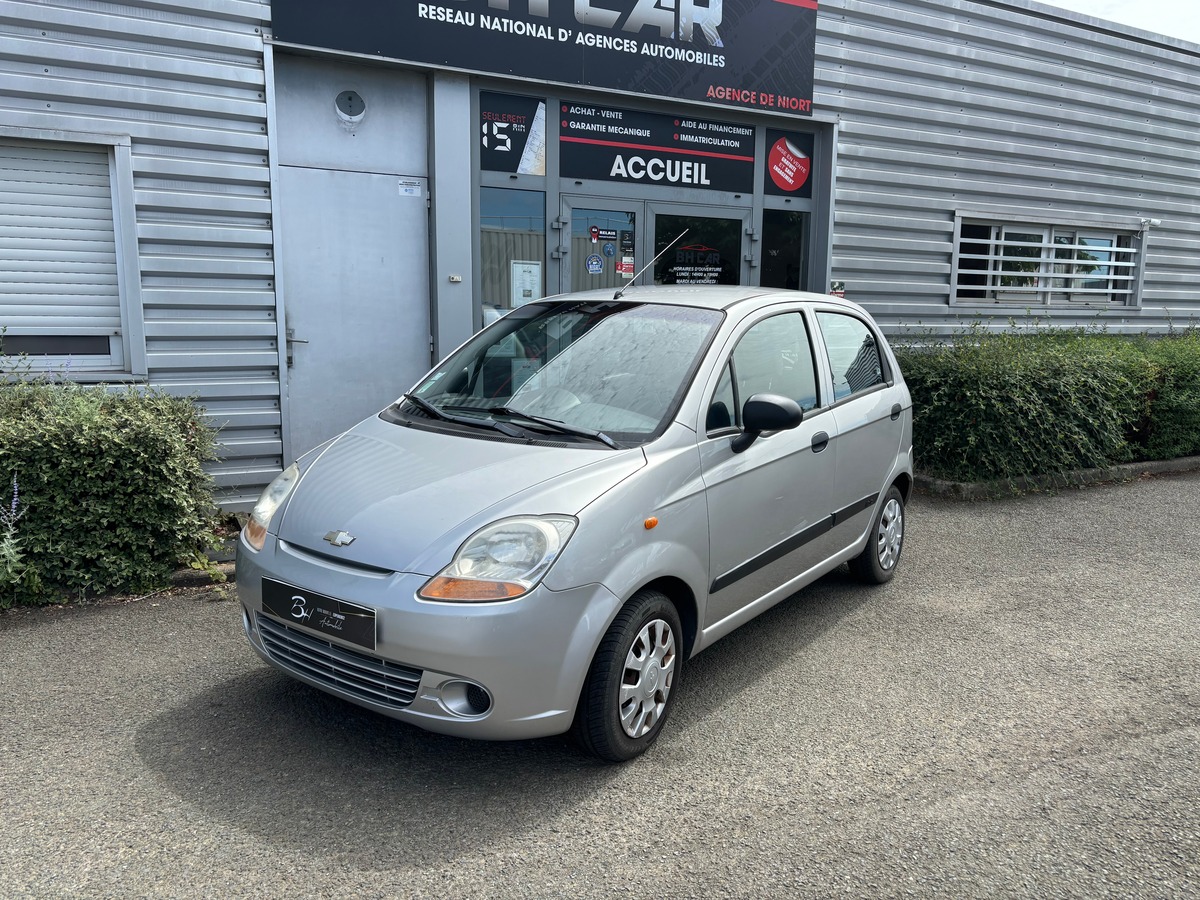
point(289, 209)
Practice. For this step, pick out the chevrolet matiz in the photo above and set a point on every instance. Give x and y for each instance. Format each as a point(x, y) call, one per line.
point(589, 492)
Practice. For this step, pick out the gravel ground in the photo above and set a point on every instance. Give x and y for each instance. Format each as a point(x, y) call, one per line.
point(1016, 715)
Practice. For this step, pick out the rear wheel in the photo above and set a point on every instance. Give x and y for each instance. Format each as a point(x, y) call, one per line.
point(877, 563)
point(631, 684)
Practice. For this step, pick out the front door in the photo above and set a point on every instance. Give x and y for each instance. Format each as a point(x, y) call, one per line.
point(607, 244)
point(699, 245)
point(599, 243)
point(769, 506)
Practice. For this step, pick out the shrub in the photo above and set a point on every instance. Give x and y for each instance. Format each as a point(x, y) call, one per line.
point(1173, 429)
point(1001, 406)
point(112, 491)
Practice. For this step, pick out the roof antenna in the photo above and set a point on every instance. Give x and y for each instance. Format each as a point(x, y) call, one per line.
point(617, 295)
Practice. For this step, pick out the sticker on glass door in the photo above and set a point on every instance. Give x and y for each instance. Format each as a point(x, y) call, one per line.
point(625, 266)
point(602, 248)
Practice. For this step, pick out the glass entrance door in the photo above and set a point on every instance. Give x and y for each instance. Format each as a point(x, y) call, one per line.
point(698, 249)
point(600, 243)
point(604, 244)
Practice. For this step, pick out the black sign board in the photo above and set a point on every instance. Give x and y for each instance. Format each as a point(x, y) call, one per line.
point(752, 54)
point(512, 134)
point(788, 169)
point(600, 142)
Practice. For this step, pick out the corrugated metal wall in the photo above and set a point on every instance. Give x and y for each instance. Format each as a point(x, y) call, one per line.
point(185, 81)
point(942, 105)
point(953, 104)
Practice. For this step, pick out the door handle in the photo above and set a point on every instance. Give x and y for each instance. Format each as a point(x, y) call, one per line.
point(896, 410)
point(820, 441)
point(290, 334)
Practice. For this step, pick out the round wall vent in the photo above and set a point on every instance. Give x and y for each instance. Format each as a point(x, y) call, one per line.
point(351, 107)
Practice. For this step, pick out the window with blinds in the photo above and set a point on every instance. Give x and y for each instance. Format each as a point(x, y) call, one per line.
point(60, 301)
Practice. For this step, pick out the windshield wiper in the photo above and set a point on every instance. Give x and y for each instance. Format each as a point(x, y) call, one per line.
point(555, 425)
point(426, 407)
point(552, 424)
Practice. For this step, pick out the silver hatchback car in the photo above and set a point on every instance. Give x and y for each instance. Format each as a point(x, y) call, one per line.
point(582, 497)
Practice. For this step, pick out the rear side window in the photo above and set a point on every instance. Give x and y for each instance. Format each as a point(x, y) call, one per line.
point(853, 354)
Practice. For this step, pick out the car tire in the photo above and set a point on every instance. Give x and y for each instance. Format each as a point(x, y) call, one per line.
point(633, 680)
point(877, 563)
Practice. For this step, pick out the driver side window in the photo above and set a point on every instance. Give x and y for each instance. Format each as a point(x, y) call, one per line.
point(775, 356)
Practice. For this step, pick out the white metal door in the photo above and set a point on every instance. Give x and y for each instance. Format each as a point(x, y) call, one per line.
point(355, 284)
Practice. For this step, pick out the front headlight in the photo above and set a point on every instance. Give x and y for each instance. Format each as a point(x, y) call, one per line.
point(501, 561)
point(272, 498)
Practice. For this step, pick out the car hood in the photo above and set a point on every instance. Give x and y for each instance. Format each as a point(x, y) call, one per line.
point(410, 497)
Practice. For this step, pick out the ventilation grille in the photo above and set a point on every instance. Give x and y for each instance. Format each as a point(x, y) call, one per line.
point(346, 671)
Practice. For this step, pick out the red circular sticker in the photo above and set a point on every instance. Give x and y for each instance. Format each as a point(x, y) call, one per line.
point(789, 167)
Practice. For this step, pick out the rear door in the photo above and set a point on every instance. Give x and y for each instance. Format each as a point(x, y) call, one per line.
point(867, 412)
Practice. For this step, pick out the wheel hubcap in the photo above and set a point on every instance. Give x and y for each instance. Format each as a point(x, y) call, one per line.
point(648, 677)
point(891, 534)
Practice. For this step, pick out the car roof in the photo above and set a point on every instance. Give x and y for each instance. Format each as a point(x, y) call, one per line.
point(702, 296)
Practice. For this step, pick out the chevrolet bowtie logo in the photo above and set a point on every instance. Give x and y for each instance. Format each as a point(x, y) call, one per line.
point(340, 538)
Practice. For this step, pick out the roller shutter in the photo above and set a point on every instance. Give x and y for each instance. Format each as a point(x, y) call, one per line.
point(59, 293)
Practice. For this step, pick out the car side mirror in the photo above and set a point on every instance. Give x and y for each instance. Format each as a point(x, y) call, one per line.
point(766, 412)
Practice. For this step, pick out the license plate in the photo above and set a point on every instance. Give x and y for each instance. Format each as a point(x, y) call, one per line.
point(337, 618)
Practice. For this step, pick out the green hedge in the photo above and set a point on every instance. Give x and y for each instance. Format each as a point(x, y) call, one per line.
point(110, 489)
point(1174, 426)
point(1002, 406)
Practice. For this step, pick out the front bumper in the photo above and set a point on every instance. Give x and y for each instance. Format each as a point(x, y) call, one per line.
point(528, 656)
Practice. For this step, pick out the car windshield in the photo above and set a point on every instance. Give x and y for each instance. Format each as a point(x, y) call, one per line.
point(607, 371)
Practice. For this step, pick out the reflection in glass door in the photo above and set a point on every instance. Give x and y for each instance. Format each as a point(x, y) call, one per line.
point(699, 249)
point(784, 250)
point(603, 248)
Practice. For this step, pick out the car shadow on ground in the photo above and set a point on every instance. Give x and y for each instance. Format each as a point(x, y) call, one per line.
point(295, 767)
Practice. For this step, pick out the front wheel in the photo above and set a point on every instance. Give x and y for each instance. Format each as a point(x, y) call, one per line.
point(631, 684)
point(877, 563)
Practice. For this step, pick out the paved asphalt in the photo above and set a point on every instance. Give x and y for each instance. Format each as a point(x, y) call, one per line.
point(1016, 715)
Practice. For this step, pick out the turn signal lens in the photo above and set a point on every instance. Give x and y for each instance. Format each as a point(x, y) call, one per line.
point(443, 588)
point(255, 534)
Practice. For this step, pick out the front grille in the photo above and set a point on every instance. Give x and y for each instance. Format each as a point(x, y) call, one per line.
point(366, 677)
